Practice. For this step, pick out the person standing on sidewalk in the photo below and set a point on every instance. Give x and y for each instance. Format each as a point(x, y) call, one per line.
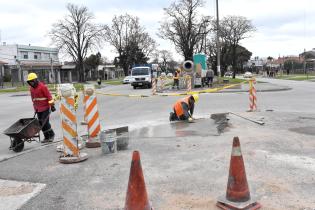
point(210, 75)
point(43, 103)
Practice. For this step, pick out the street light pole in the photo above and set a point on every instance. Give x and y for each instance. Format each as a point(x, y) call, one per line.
point(218, 41)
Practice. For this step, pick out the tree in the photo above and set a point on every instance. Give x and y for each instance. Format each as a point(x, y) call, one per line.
point(129, 37)
point(76, 35)
point(233, 29)
point(166, 57)
point(94, 60)
point(184, 27)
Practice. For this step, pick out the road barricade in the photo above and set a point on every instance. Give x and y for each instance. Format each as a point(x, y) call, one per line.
point(71, 151)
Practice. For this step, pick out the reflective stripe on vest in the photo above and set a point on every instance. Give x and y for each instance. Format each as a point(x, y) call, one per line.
point(40, 99)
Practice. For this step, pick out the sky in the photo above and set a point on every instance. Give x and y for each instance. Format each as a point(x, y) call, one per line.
point(284, 27)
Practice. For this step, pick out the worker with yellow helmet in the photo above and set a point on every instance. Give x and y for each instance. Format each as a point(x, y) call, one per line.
point(43, 103)
point(184, 108)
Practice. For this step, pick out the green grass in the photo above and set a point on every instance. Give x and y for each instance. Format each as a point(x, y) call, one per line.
point(231, 80)
point(51, 87)
point(296, 77)
point(113, 81)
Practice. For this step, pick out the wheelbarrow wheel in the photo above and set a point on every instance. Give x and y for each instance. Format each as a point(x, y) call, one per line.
point(17, 145)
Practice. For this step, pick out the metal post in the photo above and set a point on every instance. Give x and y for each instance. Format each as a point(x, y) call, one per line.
point(218, 41)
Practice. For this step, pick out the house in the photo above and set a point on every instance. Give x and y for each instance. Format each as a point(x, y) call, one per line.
point(2, 73)
point(23, 59)
point(109, 71)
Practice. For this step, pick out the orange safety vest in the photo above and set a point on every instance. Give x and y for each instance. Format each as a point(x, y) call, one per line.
point(176, 75)
point(178, 106)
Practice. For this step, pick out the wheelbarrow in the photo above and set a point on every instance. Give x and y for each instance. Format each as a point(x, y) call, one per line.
point(24, 130)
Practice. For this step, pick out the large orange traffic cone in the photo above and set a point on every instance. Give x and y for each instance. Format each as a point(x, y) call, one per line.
point(237, 193)
point(137, 197)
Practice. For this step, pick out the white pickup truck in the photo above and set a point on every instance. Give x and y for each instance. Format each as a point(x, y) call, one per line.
point(141, 77)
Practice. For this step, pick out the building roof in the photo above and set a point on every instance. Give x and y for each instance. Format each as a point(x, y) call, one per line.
point(68, 66)
point(38, 48)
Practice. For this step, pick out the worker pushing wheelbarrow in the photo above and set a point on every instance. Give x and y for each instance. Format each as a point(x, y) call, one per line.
point(28, 129)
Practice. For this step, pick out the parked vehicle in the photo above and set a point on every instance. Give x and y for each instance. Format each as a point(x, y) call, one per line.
point(248, 75)
point(127, 80)
point(228, 74)
point(141, 77)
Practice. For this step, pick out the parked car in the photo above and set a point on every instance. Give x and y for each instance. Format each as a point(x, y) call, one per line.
point(170, 75)
point(248, 75)
point(228, 74)
point(127, 80)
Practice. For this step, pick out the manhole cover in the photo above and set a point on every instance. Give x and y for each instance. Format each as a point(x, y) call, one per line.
point(304, 130)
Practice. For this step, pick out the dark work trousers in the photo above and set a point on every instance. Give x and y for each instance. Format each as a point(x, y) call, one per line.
point(176, 83)
point(43, 118)
point(209, 81)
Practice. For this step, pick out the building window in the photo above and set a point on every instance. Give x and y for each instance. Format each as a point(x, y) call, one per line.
point(24, 55)
point(37, 55)
point(46, 56)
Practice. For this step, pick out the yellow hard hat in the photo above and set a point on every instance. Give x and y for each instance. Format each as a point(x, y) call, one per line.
point(31, 76)
point(196, 97)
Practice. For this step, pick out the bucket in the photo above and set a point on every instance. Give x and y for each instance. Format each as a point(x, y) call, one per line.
point(108, 141)
point(122, 138)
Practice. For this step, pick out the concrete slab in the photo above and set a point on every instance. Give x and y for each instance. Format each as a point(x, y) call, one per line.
point(14, 194)
point(185, 166)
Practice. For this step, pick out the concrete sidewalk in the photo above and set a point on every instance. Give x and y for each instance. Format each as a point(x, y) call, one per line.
point(185, 166)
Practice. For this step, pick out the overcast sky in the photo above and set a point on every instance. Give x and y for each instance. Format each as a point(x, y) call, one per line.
point(284, 27)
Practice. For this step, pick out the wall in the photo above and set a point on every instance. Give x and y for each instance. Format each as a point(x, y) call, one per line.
point(7, 53)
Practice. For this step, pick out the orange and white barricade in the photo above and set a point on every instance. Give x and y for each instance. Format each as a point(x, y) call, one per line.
point(188, 79)
point(252, 95)
point(92, 117)
point(71, 151)
point(154, 81)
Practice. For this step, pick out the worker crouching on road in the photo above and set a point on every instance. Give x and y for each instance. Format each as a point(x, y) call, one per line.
point(43, 103)
point(184, 108)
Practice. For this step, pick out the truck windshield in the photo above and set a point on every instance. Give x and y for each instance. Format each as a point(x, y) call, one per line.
point(140, 71)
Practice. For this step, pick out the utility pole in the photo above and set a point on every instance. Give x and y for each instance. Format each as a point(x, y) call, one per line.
point(218, 40)
point(51, 77)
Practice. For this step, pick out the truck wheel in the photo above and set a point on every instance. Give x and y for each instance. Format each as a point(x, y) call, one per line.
point(17, 145)
point(134, 87)
point(150, 85)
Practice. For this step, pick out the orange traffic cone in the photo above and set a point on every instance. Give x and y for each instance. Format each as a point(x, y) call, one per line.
point(137, 197)
point(237, 193)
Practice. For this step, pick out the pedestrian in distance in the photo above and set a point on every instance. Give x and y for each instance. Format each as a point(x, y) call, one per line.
point(176, 79)
point(210, 75)
point(99, 81)
point(184, 108)
point(43, 104)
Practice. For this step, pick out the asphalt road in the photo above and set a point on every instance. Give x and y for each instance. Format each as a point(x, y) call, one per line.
point(148, 120)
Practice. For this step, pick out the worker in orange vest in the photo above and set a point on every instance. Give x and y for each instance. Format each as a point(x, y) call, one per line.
point(176, 79)
point(184, 108)
point(43, 104)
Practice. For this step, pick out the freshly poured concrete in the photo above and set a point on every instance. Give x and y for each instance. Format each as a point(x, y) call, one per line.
point(185, 166)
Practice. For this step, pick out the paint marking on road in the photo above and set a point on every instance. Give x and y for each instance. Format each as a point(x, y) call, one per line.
point(14, 194)
point(301, 162)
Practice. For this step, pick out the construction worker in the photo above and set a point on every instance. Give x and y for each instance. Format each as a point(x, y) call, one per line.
point(184, 108)
point(176, 78)
point(43, 103)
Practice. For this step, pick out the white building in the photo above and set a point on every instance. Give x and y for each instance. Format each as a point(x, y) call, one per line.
point(22, 59)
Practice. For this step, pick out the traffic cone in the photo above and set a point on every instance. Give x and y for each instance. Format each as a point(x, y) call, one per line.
point(237, 193)
point(137, 197)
